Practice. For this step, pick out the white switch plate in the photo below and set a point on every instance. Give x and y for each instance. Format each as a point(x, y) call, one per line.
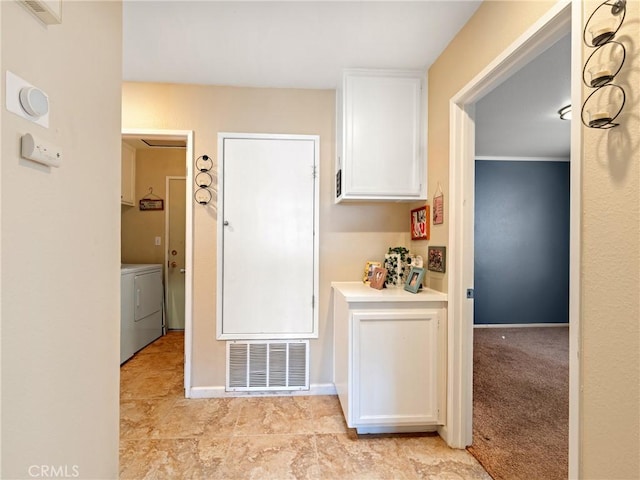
point(13, 85)
point(158, 241)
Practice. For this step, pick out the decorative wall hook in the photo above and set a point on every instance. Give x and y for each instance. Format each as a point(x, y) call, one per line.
point(606, 102)
point(203, 180)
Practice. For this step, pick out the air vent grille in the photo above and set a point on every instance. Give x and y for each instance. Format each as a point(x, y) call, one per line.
point(35, 6)
point(43, 11)
point(267, 365)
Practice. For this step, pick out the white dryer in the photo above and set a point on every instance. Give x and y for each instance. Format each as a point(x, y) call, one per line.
point(141, 309)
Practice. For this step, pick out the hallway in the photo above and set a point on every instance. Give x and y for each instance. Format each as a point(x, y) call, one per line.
point(165, 436)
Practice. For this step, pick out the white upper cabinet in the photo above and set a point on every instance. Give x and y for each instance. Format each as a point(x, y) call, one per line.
point(128, 175)
point(381, 135)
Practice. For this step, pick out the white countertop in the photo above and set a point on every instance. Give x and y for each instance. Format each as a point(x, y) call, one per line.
point(361, 292)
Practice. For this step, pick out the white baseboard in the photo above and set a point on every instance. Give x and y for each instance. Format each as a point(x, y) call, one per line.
point(220, 392)
point(520, 325)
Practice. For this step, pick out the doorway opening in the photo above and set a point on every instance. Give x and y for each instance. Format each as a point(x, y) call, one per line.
point(521, 271)
point(544, 33)
point(171, 154)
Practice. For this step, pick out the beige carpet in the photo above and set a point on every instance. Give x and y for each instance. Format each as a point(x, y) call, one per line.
point(521, 402)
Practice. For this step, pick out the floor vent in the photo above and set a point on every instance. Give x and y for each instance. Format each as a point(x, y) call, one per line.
point(259, 365)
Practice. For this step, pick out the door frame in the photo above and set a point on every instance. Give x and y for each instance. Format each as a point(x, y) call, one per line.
point(188, 286)
point(168, 178)
point(557, 22)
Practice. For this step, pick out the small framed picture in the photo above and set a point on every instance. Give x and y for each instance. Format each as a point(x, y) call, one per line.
point(414, 280)
point(378, 278)
point(438, 210)
point(437, 259)
point(420, 223)
point(368, 270)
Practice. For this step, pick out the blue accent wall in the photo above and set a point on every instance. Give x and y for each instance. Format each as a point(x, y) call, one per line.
point(521, 242)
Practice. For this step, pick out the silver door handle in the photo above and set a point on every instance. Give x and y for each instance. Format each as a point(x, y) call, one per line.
point(182, 270)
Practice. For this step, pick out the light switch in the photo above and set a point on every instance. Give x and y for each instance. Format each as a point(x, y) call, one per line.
point(158, 241)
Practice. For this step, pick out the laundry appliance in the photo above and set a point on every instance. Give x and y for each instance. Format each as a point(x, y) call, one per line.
point(141, 308)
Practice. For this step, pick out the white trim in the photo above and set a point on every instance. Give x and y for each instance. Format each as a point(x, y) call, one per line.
point(521, 325)
point(546, 31)
point(522, 159)
point(575, 247)
point(550, 28)
point(220, 392)
point(188, 281)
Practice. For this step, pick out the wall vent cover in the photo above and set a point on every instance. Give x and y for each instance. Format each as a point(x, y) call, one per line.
point(48, 11)
point(267, 365)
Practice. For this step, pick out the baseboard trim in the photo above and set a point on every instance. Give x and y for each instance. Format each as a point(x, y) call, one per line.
point(520, 325)
point(220, 392)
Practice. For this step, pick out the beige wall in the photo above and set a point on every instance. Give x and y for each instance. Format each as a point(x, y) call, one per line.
point(610, 282)
point(61, 246)
point(349, 234)
point(467, 54)
point(611, 279)
point(139, 228)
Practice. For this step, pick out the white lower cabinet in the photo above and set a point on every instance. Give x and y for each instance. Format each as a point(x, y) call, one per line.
point(389, 365)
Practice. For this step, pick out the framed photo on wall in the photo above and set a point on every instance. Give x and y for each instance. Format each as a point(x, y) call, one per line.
point(420, 223)
point(438, 206)
point(437, 259)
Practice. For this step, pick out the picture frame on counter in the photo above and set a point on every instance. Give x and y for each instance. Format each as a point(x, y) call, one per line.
point(378, 278)
point(368, 271)
point(414, 280)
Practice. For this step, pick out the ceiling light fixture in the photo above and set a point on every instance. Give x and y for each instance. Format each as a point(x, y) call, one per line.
point(565, 113)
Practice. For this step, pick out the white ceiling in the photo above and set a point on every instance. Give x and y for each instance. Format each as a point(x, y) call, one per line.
point(304, 44)
point(283, 44)
point(520, 117)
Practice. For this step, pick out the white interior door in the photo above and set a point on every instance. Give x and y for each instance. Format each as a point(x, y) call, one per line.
point(175, 243)
point(267, 248)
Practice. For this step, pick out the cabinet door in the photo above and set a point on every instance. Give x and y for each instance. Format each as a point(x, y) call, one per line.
point(267, 245)
point(395, 367)
point(383, 137)
point(128, 176)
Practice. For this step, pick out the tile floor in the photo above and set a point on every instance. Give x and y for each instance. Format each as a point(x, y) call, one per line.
point(165, 436)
